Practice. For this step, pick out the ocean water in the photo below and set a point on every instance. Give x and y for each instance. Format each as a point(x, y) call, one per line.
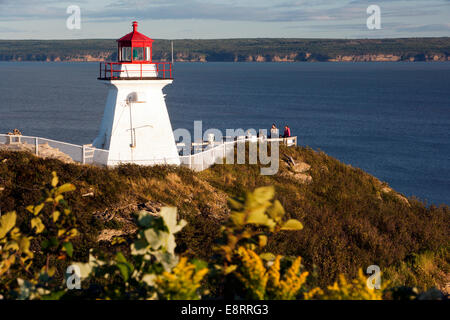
point(389, 119)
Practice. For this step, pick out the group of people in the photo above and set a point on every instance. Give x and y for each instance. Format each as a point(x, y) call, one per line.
point(275, 133)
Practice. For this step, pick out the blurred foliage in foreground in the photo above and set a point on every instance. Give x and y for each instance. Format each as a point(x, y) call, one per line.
point(150, 268)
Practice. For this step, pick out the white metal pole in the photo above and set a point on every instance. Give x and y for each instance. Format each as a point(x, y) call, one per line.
point(36, 142)
point(84, 154)
point(172, 51)
point(202, 158)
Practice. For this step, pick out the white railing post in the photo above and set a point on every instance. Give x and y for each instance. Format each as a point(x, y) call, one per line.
point(36, 144)
point(83, 154)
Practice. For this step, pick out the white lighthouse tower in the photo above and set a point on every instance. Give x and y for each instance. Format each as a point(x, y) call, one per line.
point(136, 127)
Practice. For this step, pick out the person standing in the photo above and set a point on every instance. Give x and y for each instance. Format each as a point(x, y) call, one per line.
point(287, 132)
point(274, 132)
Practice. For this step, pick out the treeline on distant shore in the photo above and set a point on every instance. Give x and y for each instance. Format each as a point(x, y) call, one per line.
point(233, 50)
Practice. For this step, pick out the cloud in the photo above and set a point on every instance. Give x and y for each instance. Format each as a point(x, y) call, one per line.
point(425, 27)
point(181, 9)
point(245, 10)
point(289, 11)
point(10, 30)
point(334, 15)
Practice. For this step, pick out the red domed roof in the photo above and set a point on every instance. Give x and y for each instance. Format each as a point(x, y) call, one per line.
point(135, 39)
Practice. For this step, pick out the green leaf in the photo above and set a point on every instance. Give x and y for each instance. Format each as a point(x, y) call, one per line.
point(68, 248)
point(124, 271)
point(267, 256)
point(238, 218)
point(120, 257)
point(167, 260)
point(24, 245)
point(53, 242)
point(55, 179)
point(276, 211)
point(145, 218)
point(38, 209)
point(171, 244)
point(235, 204)
point(264, 194)
point(85, 269)
point(45, 244)
point(258, 217)
point(36, 223)
point(7, 222)
point(139, 247)
point(169, 215)
point(149, 279)
point(68, 187)
point(57, 295)
point(230, 269)
point(51, 271)
point(11, 245)
point(262, 240)
point(199, 264)
point(56, 215)
point(292, 224)
point(153, 238)
point(125, 268)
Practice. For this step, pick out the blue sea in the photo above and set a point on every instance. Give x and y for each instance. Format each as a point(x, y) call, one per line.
point(389, 119)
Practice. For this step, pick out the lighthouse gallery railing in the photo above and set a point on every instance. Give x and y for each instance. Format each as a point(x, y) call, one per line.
point(109, 70)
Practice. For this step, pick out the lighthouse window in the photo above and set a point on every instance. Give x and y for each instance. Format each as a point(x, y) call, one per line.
point(147, 54)
point(138, 54)
point(126, 54)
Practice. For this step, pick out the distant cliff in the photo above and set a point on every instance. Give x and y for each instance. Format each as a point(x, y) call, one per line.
point(234, 50)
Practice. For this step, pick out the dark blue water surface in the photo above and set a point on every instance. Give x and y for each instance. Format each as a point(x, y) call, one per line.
point(390, 119)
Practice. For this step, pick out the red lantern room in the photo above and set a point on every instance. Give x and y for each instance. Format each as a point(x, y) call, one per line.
point(135, 47)
point(134, 55)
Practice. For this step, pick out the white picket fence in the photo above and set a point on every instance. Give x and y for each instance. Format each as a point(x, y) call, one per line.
point(209, 154)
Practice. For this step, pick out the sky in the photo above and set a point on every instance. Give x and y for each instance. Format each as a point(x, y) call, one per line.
point(215, 19)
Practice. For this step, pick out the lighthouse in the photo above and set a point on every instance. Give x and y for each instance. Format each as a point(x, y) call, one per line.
point(136, 127)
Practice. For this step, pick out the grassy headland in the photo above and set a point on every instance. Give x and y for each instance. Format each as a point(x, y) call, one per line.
point(351, 219)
